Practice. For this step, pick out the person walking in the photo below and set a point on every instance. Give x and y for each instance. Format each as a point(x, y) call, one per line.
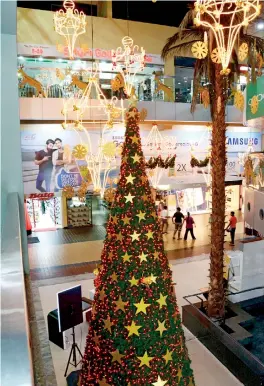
point(164, 219)
point(189, 226)
point(177, 220)
point(232, 228)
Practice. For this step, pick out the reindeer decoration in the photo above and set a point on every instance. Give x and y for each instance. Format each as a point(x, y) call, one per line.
point(78, 83)
point(161, 87)
point(31, 82)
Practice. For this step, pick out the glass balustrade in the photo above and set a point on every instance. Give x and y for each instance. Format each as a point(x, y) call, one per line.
point(59, 78)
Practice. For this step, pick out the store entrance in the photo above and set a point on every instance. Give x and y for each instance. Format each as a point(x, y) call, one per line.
point(45, 214)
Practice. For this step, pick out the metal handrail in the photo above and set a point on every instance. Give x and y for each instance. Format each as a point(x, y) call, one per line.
point(16, 361)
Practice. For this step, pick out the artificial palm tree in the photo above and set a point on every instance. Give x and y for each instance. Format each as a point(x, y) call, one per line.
point(179, 45)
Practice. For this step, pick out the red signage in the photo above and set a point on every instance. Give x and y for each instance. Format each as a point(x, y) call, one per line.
point(41, 196)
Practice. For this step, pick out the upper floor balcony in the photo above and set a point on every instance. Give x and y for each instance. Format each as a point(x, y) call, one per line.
point(44, 86)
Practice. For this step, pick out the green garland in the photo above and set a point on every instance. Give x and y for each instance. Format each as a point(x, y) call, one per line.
point(154, 162)
point(200, 164)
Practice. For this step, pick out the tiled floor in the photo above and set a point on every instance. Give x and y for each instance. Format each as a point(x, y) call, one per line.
point(189, 277)
point(65, 252)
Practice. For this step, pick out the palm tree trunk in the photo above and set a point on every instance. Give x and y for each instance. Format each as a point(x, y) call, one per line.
point(216, 300)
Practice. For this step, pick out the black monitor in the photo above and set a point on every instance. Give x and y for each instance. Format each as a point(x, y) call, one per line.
point(69, 303)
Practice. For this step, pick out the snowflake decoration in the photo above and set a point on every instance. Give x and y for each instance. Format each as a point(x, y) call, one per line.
point(239, 100)
point(254, 104)
point(199, 50)
point(109, 149)
point(243, 52)
point(80, 151)
point(215, 56)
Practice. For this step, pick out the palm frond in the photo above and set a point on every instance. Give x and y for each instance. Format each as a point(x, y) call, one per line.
point(188, 37)
point(187, 21)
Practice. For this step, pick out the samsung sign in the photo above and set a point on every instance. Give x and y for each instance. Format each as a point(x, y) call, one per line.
point(242, 141)
point(239, 142)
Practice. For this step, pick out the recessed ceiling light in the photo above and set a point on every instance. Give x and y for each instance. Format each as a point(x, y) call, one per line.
point(260, 25)
point(179, 82)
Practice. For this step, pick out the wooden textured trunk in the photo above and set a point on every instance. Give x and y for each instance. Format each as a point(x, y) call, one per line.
point(216, 300)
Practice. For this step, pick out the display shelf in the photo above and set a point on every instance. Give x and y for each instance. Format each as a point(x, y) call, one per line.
point(78, 216)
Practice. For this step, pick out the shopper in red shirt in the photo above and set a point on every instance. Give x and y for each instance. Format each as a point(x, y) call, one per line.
point(232, 228)
point(189, 226)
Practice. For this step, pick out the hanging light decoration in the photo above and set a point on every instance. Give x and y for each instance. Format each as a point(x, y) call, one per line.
point(157, 145)
point(99, 159)
point(128, 60)
point(225, 18)
point(70, 24)
point(106, 107)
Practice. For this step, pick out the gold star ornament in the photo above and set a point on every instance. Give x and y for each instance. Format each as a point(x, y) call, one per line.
point(126, 257)
point(117, 357)
point(168, 356)
point(135, 236)
point(144, 361)
point(108, 324)
point(133, 329)
point(103, 382)
point(162, 300)
point(130, 179)
point(142, 307)
point(120, 305)
point(141, 215)
point(159, 382)
point(133, 281)
point(161, 327)
point(136, 158)
point(135, 139)
point(129, 198)
point(149, 235)
point(143, 257)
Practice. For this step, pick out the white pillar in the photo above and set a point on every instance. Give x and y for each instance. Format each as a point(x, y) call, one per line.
point(11, 163)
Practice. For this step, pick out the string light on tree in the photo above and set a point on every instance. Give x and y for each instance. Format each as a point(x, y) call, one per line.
point(225, 18)
point(128, 60)
point(70, 23)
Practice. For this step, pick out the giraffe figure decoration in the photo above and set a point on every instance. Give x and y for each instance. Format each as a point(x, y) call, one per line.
point(31, 82)
point(161, 87)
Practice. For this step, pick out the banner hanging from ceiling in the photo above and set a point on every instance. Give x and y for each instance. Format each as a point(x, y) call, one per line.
point(255, 99)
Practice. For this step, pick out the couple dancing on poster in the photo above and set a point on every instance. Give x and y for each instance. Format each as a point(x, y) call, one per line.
point(50, 162)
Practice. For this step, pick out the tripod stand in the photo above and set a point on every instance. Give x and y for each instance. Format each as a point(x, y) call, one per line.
point(73, 353)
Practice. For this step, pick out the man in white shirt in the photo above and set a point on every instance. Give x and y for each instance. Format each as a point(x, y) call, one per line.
point(164, 219)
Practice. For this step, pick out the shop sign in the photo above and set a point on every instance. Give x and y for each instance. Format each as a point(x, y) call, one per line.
point(64, 178)
point(255, 99)
point(41, 196)
point(79, 52)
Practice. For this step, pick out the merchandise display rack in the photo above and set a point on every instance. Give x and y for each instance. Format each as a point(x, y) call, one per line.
point(80, 214)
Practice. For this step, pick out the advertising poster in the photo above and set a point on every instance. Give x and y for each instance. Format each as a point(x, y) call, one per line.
point(49, 165)
point(255, 99)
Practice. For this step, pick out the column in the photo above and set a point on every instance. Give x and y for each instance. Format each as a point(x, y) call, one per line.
point(11, 162)
point(169, 70)
point(104, 9)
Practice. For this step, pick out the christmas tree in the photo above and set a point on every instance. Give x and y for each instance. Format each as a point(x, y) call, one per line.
point(135, 336)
